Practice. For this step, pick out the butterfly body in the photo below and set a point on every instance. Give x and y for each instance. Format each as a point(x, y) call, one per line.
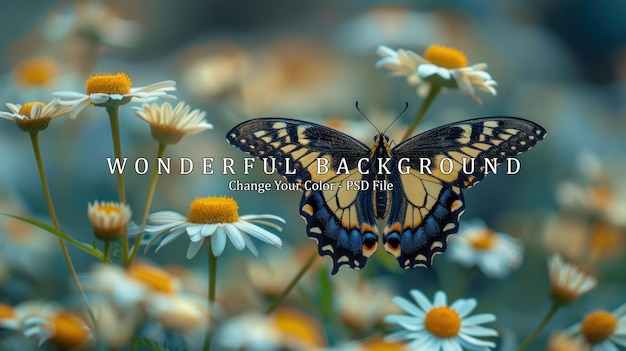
point(421, 204)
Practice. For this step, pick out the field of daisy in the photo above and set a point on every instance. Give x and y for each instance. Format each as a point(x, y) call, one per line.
point(182, 251)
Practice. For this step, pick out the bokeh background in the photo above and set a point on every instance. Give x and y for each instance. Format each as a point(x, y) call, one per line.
point(559, 63)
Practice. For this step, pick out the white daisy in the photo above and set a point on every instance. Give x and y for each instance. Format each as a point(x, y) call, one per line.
point(113, 89)
point(214, 217)
point(495, 253)
point(284, 329)
point(602, 330)
point(34, 116)
point(361, 304)
point(13, 317)
point(598, 192)
point(181, 312)
point(441, 66)
point(109, 219)
point(96, 21)
point(127, 289)
point(437, 326)
point(563, 342)
point(63, 330)
point(142, 293)
point(168, 126)
point(259, 334)
point(567, 281)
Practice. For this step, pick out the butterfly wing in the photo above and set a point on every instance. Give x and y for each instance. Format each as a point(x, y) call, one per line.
point(426, 208)
point(341, 220)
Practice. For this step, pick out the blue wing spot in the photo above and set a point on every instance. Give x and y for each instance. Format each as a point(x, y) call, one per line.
point(431, 226)
point(440, 213)
point(345, 242)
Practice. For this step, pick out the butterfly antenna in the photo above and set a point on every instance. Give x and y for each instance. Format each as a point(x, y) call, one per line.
point(406, 107)
point(364, 116)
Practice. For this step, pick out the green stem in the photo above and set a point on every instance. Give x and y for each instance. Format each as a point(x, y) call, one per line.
point(107, 252)
point(113, 113)
point(533, 335)
point(34, 138)
point(326, 306)
point(292, 284)
point(434, 90)
point(146, 211)
point(211, 296)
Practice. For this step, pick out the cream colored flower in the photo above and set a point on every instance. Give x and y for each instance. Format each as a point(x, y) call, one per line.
point(63, 330)
point(286, 328)
point(95, 20)
point(495, 253)
point(109, 219)
point(178, 312)
point(442, 66)
point(214, 217)
point(113, 90)
point(567, 281)
point(602, 330)
point(35, 116)
point(598, 191)
point(563, 342)
point(139, 294)
point(362, 304)
point(168, 125)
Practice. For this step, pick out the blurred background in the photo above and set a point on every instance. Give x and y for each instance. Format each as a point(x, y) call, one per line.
point(559, 63)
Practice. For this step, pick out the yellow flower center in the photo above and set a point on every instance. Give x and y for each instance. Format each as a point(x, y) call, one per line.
point(6, 311)
point(600, 196)
point(598, 326)
point(27, 107)
point(152, 276)
point(36, 71)
point(382, 345)
point(69, 331)
point(606, 240)
point(484, 239)
point(109, 209)
point(212, 210)
point(109, 84)
point(445, 57)
point(443, 322)
point(109, 219)
point(300, 328)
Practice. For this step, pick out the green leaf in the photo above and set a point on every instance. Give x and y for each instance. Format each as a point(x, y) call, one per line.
point(147, 343)
point(61, 235)
point(326, 305)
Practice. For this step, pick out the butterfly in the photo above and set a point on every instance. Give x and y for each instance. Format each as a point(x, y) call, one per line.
point(422, 208)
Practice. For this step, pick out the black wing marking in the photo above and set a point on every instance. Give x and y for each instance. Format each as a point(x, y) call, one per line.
point(480, 138)
point(341, 221)
point(426, 209)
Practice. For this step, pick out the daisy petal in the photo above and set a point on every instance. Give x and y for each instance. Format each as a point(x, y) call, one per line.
point(421, 300)
point(408, 306)
point(235, 237)
point(218, 242)
point(193, 249)
point(259, 233)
